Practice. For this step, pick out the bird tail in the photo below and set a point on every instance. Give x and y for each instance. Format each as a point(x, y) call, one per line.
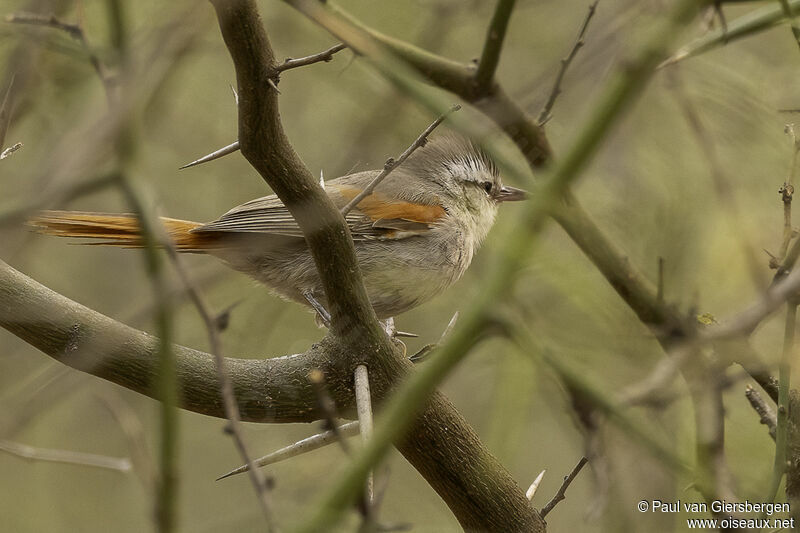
point(117, 229)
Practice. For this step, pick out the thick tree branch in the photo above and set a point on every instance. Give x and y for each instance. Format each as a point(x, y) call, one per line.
point(490, 57)
point(271, 390)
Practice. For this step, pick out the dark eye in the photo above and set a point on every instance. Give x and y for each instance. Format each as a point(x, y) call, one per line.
point(487, 186)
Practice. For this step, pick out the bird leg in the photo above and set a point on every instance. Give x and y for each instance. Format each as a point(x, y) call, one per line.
point(322, 314)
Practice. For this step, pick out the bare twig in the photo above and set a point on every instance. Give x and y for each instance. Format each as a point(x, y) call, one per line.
point(226, 385)
point(544, 115)
point(765, 413)
point(562, 490)
point(784, 382)
point(495, 35)
point(309, 444)
point(364, 409)
point(531, 492)
point(167, 381)
point(392, 164)
point(119, 464)
point(325, 56)
point(428, 349)
point(787, 192)
point(51, 21)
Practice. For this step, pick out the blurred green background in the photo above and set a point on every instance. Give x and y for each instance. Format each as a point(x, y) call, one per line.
point(650, 189)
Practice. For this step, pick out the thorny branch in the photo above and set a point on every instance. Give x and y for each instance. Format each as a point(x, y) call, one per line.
point(234, 427)
point(392, 164)
point(562, 490)
point(545, 113)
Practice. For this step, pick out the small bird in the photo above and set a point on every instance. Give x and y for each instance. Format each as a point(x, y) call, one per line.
point(414, 235)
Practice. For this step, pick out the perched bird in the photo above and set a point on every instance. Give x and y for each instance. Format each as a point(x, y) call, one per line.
point(414, 235)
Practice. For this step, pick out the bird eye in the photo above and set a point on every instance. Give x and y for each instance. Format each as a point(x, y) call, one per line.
point(487, 186)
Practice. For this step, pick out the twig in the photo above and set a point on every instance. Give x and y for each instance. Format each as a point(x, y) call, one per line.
point(787, 192)
point(364, 409)
point(51, 21)
point(428, 349)
point(495, 35)
point(784, 382)
point(300, 447)
point(392, 164)
point(765, 413)
point(531, 492)
point(226, 385)
point(562, 490)
point(10, 150)
point(544, 115)
point(119, 464)
point(660, 286)
point(134, 433)
point(325, 56)
point(328, 407)
point(167, 381)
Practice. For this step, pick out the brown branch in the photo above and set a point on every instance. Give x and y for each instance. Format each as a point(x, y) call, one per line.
point(490, 57)
point(392, 164)
point(562, 490)
point(545, 113)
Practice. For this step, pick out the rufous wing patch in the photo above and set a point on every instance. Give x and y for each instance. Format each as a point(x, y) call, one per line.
point(378, 206)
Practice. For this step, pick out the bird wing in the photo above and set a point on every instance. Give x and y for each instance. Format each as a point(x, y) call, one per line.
point(377, 216)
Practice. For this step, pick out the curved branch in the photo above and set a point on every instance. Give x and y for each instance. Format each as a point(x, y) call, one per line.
point(271, 390)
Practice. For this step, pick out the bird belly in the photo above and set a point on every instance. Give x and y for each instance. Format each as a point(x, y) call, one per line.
point(398, 275)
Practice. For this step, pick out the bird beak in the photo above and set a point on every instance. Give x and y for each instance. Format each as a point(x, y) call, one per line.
point(511, 194)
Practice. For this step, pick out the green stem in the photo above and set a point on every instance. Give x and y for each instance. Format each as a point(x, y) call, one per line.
point(784, 381)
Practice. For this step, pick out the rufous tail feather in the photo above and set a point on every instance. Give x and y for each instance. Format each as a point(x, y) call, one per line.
point(116, 229)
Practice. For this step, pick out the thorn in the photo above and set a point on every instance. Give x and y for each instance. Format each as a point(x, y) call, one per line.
point(235, 95)
point(531, 492)
point(273, 85)
point(213, 155)
point(223, 319)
